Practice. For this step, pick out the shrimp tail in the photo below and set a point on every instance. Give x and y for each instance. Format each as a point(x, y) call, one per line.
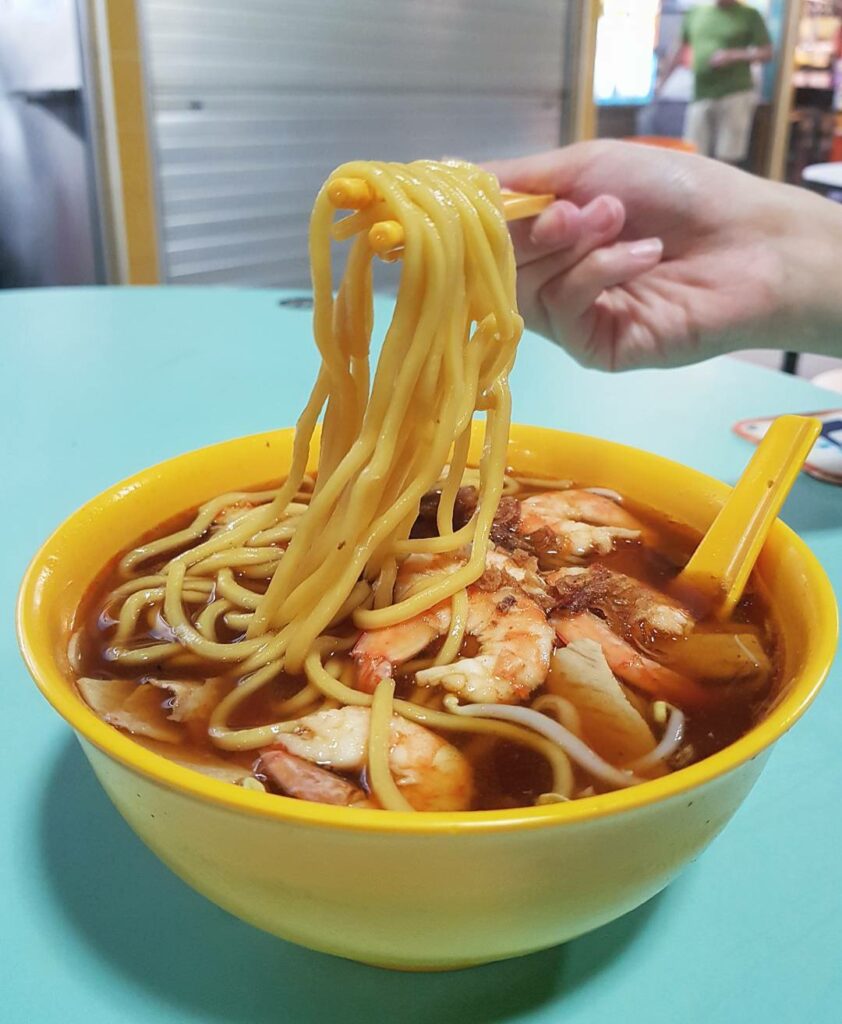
point(377, 652)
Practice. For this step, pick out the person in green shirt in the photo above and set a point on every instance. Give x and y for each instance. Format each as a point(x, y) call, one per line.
point(725, 39)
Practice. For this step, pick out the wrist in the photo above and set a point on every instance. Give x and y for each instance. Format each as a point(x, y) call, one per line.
point(811, 253)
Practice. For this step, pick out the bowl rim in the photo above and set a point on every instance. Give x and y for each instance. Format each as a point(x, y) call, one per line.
point(158, 769)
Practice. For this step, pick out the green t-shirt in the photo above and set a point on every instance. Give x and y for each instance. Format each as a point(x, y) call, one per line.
point(708, 29)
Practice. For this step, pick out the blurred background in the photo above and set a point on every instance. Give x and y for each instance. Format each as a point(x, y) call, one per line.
point(183, 141)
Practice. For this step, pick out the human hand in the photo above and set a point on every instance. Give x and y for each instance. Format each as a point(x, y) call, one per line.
point(657, 258)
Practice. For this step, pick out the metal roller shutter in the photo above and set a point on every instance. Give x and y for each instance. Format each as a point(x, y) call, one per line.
point(253, 103)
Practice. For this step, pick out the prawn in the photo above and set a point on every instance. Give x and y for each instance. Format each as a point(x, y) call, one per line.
point(514, 637)
point(432, 774)
point(630, 665)
point(626, 603)
point(305, 781)
point(582, 522)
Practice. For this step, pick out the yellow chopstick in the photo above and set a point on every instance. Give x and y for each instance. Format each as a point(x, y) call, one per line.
point(386, 237)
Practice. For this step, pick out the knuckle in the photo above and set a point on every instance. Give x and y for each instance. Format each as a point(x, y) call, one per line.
point(601, 263)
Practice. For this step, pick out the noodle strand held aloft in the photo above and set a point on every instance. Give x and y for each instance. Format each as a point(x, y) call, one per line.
point(385, 441)
point(258, 579)
point(383, 449)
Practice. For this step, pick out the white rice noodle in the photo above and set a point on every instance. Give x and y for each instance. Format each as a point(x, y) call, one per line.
point(575, 749)
point(670, 742)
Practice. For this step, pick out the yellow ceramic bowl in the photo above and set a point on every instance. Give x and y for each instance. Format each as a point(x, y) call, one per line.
point(419, 891)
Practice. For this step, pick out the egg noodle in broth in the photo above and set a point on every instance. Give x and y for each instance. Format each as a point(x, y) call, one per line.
point(308, 601)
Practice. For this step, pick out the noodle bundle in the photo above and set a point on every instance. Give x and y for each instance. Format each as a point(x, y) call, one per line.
point(337, 620)
point(385, 443)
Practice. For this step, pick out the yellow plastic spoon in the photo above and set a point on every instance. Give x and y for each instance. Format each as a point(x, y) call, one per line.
point(720, 566)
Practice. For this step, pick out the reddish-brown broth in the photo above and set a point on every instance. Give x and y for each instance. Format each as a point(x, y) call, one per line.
point(505, 774)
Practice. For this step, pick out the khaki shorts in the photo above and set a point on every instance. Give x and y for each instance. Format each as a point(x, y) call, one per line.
point(721, 128)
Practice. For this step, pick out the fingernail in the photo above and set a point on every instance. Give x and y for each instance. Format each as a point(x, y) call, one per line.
point(600, 214)
point(646, 248)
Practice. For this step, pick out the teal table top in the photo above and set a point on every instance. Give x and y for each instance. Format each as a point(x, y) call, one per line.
point(97, 383)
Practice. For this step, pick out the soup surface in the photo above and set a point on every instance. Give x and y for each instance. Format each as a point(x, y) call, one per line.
point(576, 670)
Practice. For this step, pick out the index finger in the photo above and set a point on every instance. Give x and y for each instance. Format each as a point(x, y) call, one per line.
point(556, 171)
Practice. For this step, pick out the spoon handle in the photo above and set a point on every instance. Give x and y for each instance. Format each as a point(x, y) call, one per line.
point(720, 566)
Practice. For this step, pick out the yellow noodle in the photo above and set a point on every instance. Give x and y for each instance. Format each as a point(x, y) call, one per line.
point(358, 596)
point(239, 596)
point(456, 632)
point(148, 582)
point(333, 667)
point(414, 358)
point(142, 655)
point(447, 585)
point(234, 559)
point(245, 688)
point(409, 668)
point(200, 524)
point(432, 545)
point(185, 659)
point(380, 777)
point(191, 637)
point(131, 610)
point(323, 552)
point(541, 483)
point(238, 621)
point(298, 703)
point(320, 681)
point(333, 689)
point(340, 695)
point(208, 616)
point(282, 532)
point(381, 447)
point(257, 572)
